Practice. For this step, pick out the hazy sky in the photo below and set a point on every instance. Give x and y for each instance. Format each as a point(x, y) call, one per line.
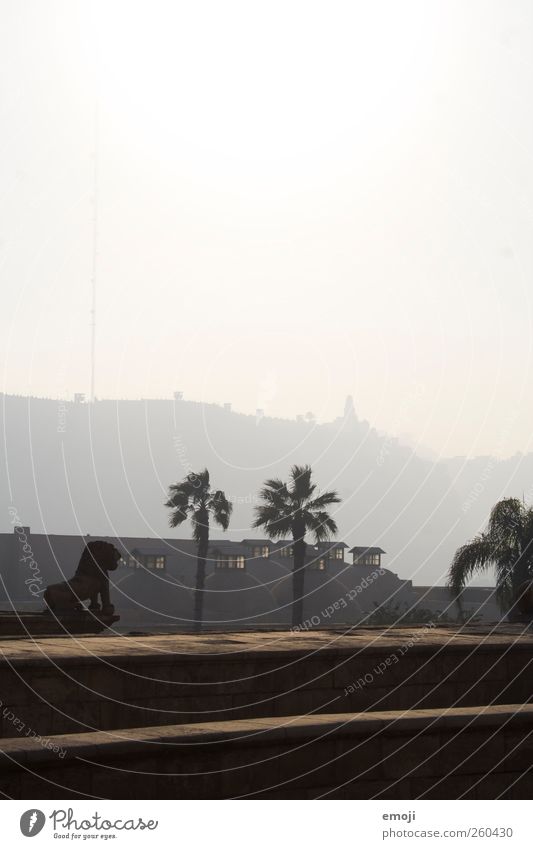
point(296, 201)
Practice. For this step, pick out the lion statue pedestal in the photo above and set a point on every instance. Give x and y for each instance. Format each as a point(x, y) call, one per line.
point(65, 612)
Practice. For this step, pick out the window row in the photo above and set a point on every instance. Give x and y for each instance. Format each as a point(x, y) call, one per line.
point(237, 561)
point(367, 560)
point(146, 561)
point(288, 551)
point(260, 551)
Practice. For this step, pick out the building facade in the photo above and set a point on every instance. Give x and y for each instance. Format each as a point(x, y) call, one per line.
point(248, 582)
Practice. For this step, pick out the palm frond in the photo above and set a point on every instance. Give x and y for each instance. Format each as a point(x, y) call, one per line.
point(526, 536)
point(266, 513)
point(505, 523)
point(302, 488)
point(323, 500)
point(321, 524)
point(274, 484)
point(199, 485)
point(175, 503)
point(276, 495)
point(221, 507)
point(178, 502)
point(178, 516)
point(179, 493)
point(475, 556)
point(277, 524)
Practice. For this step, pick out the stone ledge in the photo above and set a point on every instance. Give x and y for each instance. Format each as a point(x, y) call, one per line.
point(101, 746)
point(238, 646)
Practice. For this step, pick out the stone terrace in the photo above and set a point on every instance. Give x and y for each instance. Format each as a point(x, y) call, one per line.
point(325, 687)
point(63, 685)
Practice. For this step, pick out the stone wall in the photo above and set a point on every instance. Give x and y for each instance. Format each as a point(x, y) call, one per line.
point(459, 753)
point(87, 684)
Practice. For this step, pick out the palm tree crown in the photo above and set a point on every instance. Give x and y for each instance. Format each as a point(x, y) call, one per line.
point(295, 509)
point(193, 498)
point(292, 510)
point(507, 545)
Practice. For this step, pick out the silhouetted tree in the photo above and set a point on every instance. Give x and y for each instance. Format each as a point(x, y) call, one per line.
point(293, 510)
point(194, 499)
point(507, 544)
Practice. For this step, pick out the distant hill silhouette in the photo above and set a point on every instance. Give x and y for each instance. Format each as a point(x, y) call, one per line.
point(104, 468)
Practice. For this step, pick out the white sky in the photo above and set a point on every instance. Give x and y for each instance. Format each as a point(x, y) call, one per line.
point(297, 201)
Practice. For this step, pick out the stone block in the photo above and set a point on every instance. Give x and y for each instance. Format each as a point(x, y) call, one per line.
point(468, 751)
point(76, 717)
point(409, 757)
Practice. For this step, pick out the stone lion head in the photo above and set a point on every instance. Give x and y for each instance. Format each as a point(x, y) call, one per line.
point(104, 554)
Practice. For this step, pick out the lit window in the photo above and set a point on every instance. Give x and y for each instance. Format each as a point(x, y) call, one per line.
point(265, 551)
point(256, 551)
point(339, 554)
point(368, 560)
point(287, 551)
point(148, 561)
point(235, 561)
point(318, 565)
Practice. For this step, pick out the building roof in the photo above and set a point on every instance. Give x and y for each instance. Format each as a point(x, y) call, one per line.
point(367, 549)
point(268, 542)
point(227, 547)
point(147, 552)
point(285, 543)
point(275, 546)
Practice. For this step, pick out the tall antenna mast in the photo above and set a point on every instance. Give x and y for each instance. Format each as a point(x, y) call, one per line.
point(94, 250)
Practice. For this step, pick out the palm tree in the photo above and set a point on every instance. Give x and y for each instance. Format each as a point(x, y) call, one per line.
point(507, 544)
point(194, 499)
point(293, 510)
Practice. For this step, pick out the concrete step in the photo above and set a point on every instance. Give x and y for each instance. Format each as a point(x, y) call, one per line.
point(481, 752)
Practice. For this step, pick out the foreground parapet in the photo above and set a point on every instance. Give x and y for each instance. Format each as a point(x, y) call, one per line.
point(401, 713)
point(15, 624)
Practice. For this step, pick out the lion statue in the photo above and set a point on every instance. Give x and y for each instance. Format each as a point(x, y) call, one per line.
point(90, 582)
